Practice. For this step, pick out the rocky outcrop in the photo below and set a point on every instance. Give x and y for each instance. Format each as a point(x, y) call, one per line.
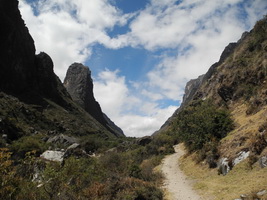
point(79, 84)
point(62, 139)
point(240, 157)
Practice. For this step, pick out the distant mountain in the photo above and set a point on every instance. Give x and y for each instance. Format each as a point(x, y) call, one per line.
point(32, 98)
point(79, 84)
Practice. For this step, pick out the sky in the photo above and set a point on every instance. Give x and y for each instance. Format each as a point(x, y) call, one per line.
point(141, 52)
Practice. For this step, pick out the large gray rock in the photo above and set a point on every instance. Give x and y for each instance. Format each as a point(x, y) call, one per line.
point(79, 84)
point(75, 150)
point(263, 161)
point(53, 155)
point(240, 157)
point(224, 166)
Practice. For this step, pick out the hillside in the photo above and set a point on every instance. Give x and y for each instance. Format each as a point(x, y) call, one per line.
point(56, 143)
point(222, 119)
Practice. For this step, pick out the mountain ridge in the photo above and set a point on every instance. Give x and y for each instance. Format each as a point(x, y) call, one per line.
point(193, 85)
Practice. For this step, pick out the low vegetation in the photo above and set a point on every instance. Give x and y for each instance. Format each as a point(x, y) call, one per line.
point(244, 179)
point(125, 171)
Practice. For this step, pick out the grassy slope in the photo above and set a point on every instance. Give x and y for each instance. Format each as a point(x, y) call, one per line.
point(244, 74)
point(241, 180)
point(244, 178)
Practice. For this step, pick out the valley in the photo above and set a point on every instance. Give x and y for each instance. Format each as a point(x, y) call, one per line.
point(56, 142)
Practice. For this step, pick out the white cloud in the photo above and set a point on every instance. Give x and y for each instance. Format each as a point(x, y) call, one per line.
point(195, 32)
point(138, 126)
point(113, 94)
point(67, 29)
point(136, 116)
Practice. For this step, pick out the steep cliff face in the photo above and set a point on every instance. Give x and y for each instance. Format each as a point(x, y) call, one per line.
point(23, 73)
point(79, 84)
point(32, 98)
point(17, 50)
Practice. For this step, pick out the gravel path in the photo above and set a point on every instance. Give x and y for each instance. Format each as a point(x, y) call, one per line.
point(176, 184)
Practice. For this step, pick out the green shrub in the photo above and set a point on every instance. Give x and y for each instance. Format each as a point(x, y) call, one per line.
point(135, 171)
point(202, 122)
point(27, 144)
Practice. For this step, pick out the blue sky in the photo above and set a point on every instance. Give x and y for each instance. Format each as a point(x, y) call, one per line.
point(141, 52)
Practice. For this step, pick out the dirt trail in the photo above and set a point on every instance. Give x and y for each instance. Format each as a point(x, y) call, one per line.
point(176, 184)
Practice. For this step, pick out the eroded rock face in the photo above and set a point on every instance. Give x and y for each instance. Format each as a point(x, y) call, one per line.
point(62, 140)
point(29, 88)
point(79, 84)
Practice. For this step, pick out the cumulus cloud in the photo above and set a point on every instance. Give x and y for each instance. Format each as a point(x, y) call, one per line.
point(196, 31)
point(136, 116)
point(67, 30)
point(186, 37)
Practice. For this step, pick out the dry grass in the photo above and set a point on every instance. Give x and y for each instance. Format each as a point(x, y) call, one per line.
point(245, 132)
point(241, 180)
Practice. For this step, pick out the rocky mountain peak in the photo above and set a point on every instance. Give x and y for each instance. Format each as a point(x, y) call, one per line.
point(79, 84)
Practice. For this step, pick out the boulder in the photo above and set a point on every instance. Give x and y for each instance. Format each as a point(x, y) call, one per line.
point(53, 155)
point(224, 166)
point(261, 193)
point(75, 150)
point(241, 156)
point(263, 161)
